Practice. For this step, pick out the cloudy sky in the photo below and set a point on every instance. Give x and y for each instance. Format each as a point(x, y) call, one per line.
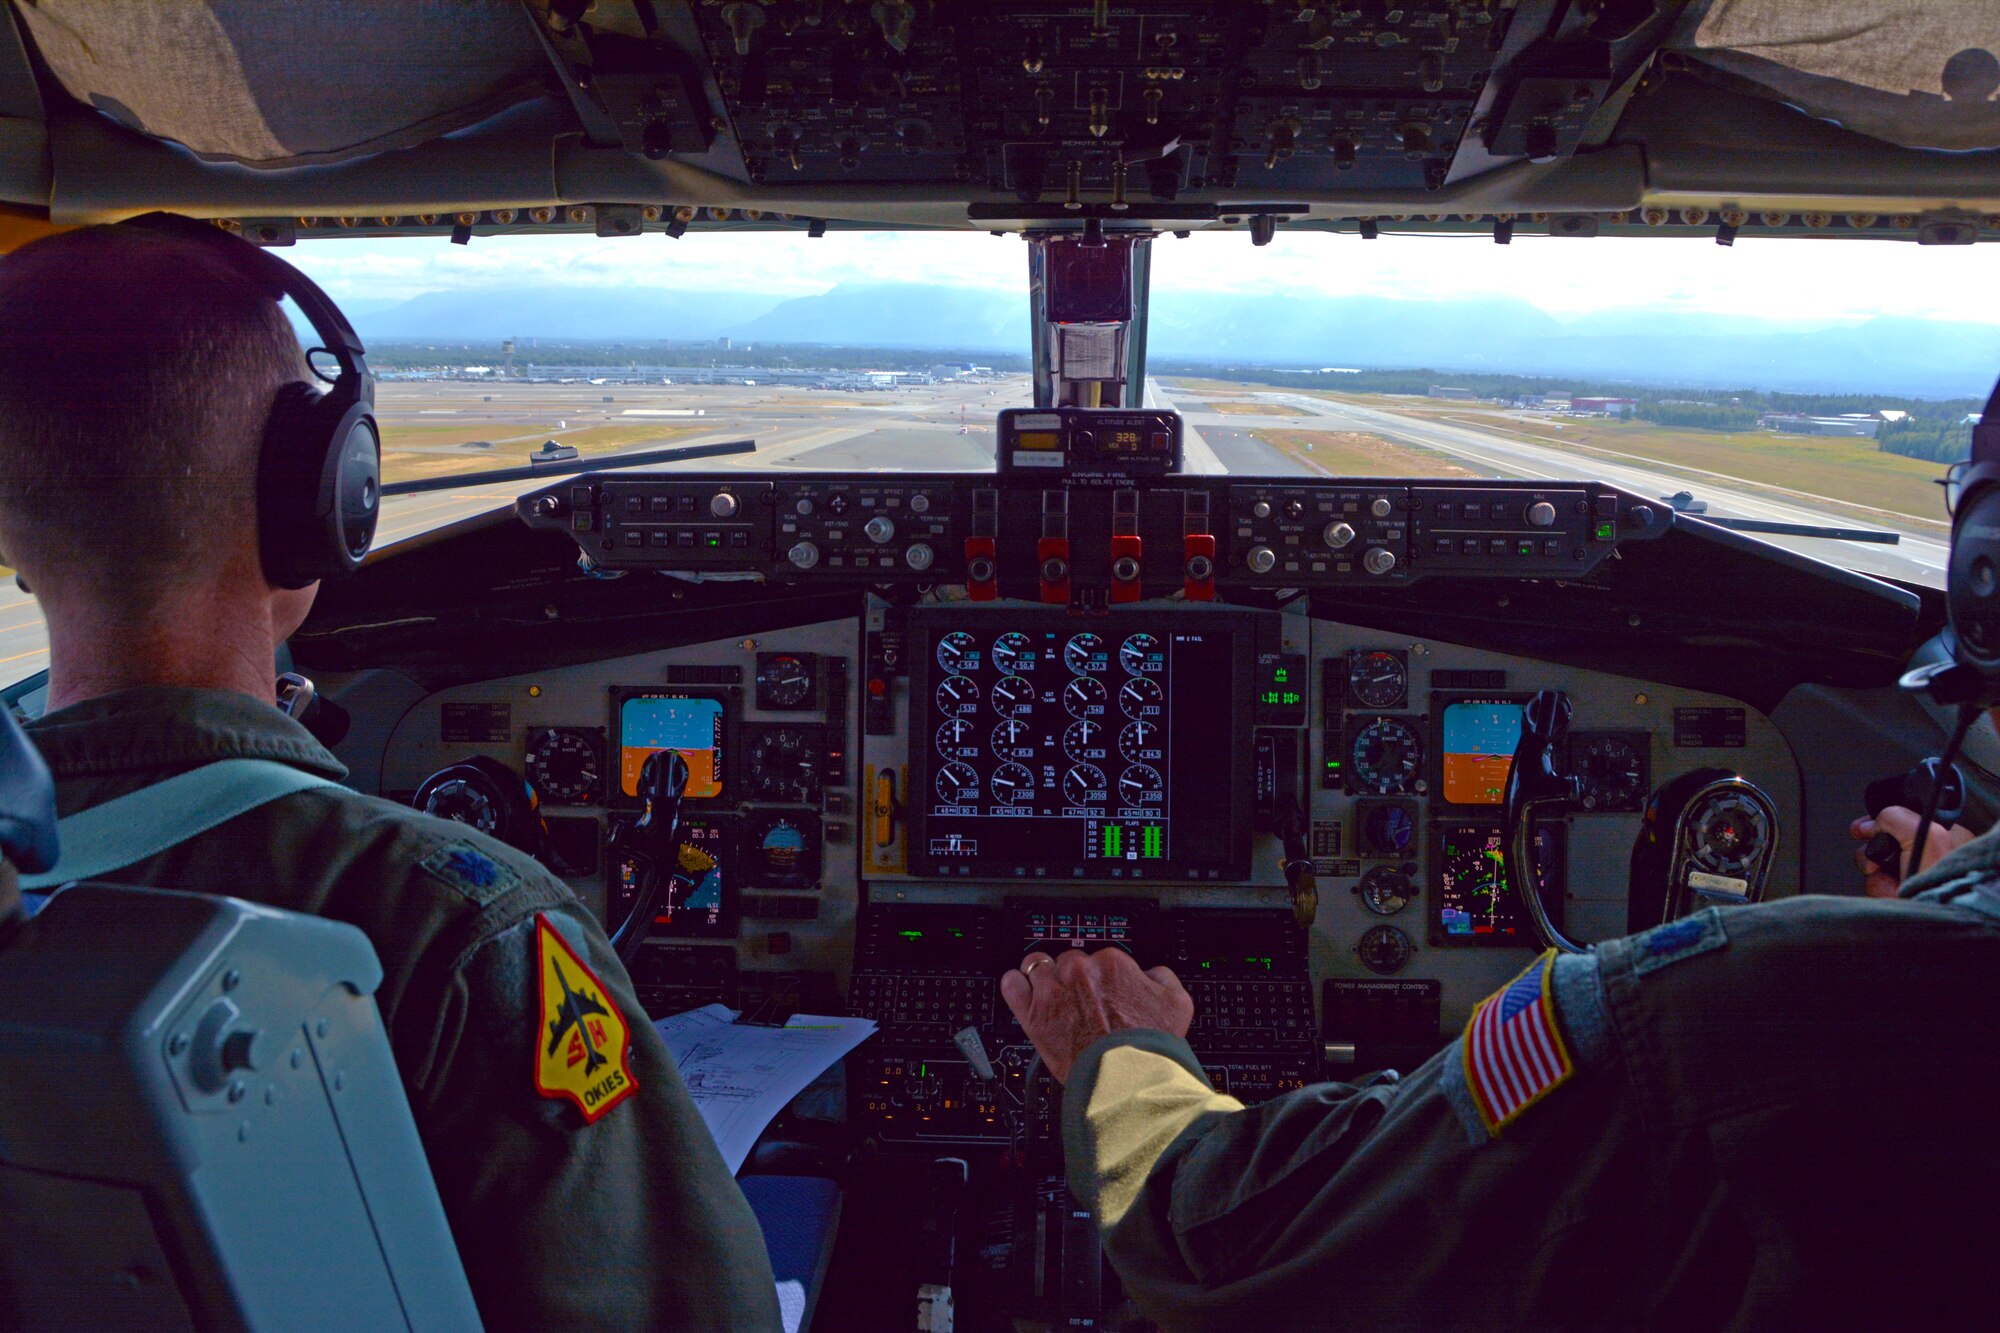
point(1771, 278)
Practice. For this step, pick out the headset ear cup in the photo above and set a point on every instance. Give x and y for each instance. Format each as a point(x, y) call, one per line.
point(288, 466)
point(318, 485)
point(1972, 582)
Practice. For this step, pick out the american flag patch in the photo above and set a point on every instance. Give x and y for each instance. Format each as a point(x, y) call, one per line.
point(1513, 1052)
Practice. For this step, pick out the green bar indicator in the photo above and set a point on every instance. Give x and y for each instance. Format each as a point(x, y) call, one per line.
point(1152, 842)
point(1114, 838)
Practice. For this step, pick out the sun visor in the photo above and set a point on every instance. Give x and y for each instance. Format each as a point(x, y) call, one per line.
point(1916, 75)
point(226, 78)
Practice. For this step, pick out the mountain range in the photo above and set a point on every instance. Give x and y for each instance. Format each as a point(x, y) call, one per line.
point(1885, 354)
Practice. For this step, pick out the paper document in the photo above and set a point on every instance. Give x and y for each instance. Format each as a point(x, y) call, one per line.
point(741, 1076)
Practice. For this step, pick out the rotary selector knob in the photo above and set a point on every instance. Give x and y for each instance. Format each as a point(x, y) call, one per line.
point(803, 555)
point(1379, 560)
point(804, 506)
point(1380, 507)
point(1262, 509)
point(920, 504)
point(1261, 560)
point(879, 529)
point(1339, 534)
point(1541, 514)
point(919, 557)
point(723, 505)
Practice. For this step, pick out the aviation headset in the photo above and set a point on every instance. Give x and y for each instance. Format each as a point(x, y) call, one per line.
point(1972, 579)
point(319, 465)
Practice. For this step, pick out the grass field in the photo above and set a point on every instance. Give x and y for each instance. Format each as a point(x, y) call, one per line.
point(1352, 454)
point(1852, 471)
point(1241, 409)
point(410, 465)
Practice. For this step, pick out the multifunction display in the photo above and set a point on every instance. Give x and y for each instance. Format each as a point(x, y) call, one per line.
point(1474, 903)
point(691, 722)
point(1050, 744)
point(1480, 737)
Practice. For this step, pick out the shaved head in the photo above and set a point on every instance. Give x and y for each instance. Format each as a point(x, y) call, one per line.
point(137, 370)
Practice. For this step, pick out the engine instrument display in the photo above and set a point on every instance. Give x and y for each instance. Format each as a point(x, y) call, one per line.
point(685, 720)
point(1479, 737)
point(701, 901)
point(1110, 752)
point(1474, 904)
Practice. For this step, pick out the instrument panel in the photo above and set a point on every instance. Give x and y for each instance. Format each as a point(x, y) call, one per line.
point(1118, 766)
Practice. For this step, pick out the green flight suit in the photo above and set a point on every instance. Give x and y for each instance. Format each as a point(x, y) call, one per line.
point(1778, 1117)
point(630, 1222)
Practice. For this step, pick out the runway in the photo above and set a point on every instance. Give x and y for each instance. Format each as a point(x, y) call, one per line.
point(949, 428)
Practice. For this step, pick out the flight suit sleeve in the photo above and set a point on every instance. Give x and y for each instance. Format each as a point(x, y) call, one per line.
point(625, 1219)
point(1375, 1207)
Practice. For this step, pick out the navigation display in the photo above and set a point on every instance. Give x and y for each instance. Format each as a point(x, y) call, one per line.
point(653, 720)
point(701, 901)
point(1108, 747)
point(1480, 736)
point(1475, 905)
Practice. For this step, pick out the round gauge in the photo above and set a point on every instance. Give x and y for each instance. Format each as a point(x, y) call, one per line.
point(957, 784)
point(1140, 785)
point(957, 694)
point(958, 651)
point(1139, 742)
point(1084, 696)
point(1014, 739)
point(1386, 890)
point(1140, 655)
point(485, 794)
point(1013, 784)
point(784, 849)
point(1385, 949)
point(1013, 652)
point(1084, 784)
point(955, 739)
point(784, 681)
point(1731, 834)
point(1140, 697)
point(566, 764)
point(1377, 679)
point(1012, 695)
point(1613, 772)
point(782, 763)
point(1386, 756)
point(1084, 741)
point(1084, 652)
point(1388, 829)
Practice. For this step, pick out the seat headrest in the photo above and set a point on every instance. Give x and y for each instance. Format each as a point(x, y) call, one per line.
point(27, 801)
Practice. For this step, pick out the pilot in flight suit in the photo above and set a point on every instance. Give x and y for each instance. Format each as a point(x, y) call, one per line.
point(1770, 1117)
point(624, 1219)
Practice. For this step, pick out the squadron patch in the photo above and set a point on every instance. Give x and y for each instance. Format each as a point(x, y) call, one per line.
point(1513, 1053)
point(583, 1050)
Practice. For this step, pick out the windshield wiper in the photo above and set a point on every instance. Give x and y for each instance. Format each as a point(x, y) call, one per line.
point(1799, 529)
point(599, 464)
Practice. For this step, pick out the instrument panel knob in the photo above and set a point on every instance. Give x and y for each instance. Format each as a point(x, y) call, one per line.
point(919, 557)
point(1262, 509)
point(1380, 507)
point(1338, 534)
point(879, 529)
point(1261, 560)
point(723, 505)
point(1379, 560)
point(1541, 514)
point(920, 503)
point(803, 555)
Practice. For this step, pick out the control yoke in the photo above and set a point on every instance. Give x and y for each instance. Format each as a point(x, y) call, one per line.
point(653, 842)
point(1535, 789)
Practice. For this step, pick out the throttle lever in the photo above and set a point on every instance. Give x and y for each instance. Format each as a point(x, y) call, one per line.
point(1913, 791)
point(653, 842)
point(1534, 785)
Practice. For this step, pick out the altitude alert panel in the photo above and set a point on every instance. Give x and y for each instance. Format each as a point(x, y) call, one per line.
point(1055, 746)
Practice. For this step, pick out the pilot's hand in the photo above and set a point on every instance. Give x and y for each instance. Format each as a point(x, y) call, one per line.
point(1900, 823)
point(1067, 1003)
